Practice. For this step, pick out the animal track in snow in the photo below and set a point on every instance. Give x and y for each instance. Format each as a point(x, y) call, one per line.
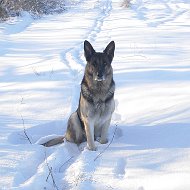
point(141, 188)
point(120, 168)
point(165, 12)
point(118, 133)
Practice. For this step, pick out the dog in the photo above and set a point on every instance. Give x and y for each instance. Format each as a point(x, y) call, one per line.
point(92, 118)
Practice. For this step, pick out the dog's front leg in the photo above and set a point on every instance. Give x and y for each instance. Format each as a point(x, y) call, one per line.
point(89, 129)
point(104, 132)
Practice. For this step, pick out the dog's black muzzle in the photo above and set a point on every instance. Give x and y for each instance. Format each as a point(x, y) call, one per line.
point(99, 77)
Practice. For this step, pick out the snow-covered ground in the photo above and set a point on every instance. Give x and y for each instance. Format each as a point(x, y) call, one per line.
point(42, 65)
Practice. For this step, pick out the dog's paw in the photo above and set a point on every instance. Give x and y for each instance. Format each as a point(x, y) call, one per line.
point(103, 141)
point(92, 148)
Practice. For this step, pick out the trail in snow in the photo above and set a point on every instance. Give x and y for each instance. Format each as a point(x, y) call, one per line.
point(74, 56)
point(42, 66)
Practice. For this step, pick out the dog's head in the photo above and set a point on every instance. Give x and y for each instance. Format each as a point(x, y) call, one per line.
point(99, 64)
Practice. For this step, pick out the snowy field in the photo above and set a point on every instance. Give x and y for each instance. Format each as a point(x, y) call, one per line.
point(42, 65)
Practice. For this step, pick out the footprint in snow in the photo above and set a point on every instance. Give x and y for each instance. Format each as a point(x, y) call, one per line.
point(118, 133)
point(120, 168)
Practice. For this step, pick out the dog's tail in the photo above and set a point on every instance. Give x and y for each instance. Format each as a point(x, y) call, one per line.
point(55, 141)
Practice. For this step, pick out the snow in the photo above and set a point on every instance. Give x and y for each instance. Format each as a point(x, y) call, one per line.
point(42, 65)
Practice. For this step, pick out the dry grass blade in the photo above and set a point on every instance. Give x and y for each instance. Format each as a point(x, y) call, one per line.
point(100, 154)
point(23, 123)
point(50, 173)
point(65, 163)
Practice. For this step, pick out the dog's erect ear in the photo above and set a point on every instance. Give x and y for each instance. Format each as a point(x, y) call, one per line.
point(88, 50)
point(110, 50)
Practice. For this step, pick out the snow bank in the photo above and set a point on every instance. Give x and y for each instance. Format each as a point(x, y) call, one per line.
point(42, 65)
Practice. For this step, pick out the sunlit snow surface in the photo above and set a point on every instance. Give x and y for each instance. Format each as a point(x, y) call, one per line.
point(42, 65)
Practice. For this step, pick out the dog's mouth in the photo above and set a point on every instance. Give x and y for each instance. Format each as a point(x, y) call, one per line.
point(99, 79)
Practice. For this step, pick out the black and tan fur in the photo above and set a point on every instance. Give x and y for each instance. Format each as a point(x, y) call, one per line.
point(92, 118)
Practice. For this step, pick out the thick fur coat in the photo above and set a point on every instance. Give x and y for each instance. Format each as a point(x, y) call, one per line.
point(92, 118)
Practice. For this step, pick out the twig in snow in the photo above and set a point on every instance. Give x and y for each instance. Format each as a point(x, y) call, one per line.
point(50, 173)
point(65, 163)
point(23, 137)
point(25, 130)
point(36, 72)
point(51, 73)
point(126, 3)
point(107, 145)
point(22, 101)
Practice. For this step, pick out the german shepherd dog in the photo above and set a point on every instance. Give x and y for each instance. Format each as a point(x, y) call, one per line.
point(92, 118)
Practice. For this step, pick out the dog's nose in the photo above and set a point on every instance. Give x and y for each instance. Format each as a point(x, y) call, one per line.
point(99, 75)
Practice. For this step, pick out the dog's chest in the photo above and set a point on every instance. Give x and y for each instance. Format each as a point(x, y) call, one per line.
point(100, 107)
point(103, 110)
point(97, 102)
